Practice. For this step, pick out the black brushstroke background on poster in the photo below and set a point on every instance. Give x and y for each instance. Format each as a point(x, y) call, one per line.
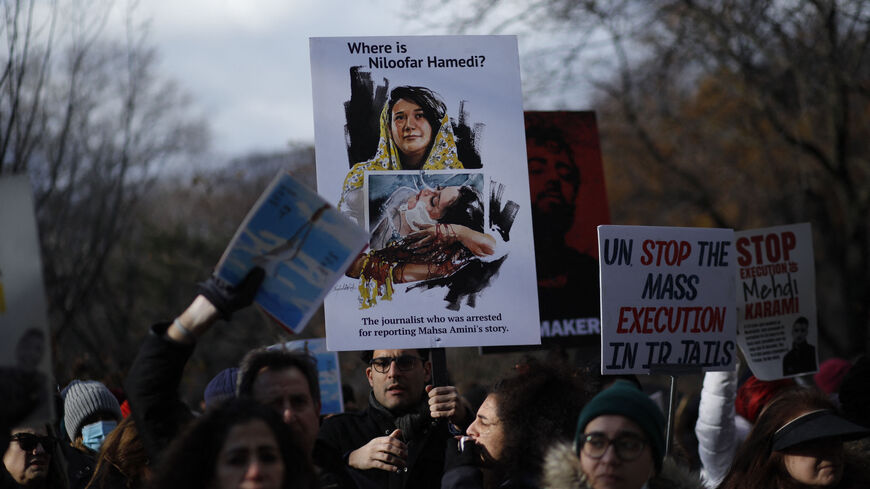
point(364, 108)
point(362, 132)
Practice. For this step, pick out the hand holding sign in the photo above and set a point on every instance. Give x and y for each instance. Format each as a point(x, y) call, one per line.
point(385, 453)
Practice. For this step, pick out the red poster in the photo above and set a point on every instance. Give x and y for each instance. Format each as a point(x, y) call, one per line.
point(569, 201)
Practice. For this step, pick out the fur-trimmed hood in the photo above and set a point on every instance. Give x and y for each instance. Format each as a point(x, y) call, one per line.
point(561, 470)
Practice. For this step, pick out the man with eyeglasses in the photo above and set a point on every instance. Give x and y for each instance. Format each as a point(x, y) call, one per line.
point(28, 458)
point(398, 441)
point(620, 442)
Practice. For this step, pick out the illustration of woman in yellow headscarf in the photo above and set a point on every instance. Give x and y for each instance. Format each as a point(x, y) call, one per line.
point(415, 134)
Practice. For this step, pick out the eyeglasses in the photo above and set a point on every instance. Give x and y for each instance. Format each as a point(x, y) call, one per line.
point(404, 363)
point(28, 441)
point(627, 447)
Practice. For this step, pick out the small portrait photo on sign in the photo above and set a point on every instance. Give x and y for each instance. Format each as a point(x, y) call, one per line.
point(801, 358)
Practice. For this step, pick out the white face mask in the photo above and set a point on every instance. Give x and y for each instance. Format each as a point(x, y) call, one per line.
point(417, 216)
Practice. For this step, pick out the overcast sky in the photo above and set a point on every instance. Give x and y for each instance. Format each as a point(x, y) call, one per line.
point(246, 61)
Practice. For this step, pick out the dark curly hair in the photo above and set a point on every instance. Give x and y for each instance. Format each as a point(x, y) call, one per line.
point(367, 355)
point(256, 360)
point(466, 210)
point(433, 108)
point(537, 407)
point(191, 459)
point(541, 131)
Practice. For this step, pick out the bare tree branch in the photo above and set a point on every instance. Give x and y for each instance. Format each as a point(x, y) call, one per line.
point(737, 112)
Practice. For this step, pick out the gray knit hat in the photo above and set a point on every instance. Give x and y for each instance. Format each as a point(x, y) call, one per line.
point(84, 398)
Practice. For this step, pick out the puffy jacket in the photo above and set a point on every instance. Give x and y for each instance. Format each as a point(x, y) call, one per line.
point(719, 429)
point(562, 471)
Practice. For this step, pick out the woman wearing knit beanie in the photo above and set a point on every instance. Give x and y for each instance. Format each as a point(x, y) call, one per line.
point(90, 412)
point(619, 444)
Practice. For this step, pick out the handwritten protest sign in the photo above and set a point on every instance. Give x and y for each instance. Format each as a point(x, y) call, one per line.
point(328, 371)
point(420, 140)
point(25, 348)
point(667, 298)
point(777, 328)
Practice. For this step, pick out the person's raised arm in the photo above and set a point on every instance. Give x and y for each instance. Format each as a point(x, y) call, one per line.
point(153, 380)
point(217, 299)
point(715, 428)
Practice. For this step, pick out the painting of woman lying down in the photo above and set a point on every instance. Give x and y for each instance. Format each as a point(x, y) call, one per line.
point(422, 232)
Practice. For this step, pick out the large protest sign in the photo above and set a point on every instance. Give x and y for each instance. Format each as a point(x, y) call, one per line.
point(569, 202)
point(328, 371)
point(25, 349)
point(777, 327)
point(667, 299)
point(421, 141)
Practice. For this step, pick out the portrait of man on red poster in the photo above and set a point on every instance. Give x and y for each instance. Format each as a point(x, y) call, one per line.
point(568, 202)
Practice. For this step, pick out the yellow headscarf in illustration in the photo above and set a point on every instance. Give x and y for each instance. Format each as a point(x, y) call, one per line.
point(376, 279)
point(442, 156)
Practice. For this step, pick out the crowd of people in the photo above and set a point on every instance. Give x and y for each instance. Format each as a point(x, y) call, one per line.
point(544, 425)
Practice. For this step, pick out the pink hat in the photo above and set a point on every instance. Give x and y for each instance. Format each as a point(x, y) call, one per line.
point(831, 373)
point(754, 394)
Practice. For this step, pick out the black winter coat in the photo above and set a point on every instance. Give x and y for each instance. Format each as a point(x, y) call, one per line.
point(152, 388)
point(344, 433)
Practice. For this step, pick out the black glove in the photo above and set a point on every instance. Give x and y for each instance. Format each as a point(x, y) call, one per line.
point(454, 458)
point(228, 298)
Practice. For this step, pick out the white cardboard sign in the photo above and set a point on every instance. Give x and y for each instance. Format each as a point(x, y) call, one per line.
point(24, 336)
point(777, 326)
point(401, 125)
point(667, 299)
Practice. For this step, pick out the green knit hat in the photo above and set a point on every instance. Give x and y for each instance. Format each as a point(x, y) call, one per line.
point(625, 399)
